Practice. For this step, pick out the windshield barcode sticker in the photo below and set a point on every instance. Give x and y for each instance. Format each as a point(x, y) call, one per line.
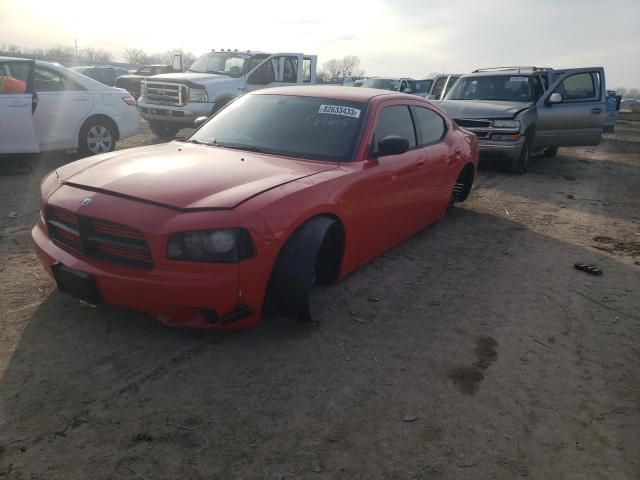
point(518, 79)
point(339, 110)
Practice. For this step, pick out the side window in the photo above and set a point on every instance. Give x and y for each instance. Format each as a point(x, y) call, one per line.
point(439, 86)
point(431, 125)
point(450, 83)
point(306, 70)
point(263, 75)
point(580, 86)
point(144, 71)
point(45, 80)
point(395, 120)
point(13, 77)
point(289, 69)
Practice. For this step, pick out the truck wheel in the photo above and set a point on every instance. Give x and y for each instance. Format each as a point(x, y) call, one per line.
point(97, 136)
point(550, 152)
point(163, 130)
point(520, 165)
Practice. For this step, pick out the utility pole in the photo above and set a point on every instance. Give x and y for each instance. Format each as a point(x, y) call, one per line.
point(76, 42)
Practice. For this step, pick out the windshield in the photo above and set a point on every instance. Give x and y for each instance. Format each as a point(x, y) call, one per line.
point(226, 63)
point(304, 127)
point(515, 88)
point(383, 83)
point(420, 86)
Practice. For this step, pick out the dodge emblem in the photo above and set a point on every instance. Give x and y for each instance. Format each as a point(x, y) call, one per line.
point(85, 201)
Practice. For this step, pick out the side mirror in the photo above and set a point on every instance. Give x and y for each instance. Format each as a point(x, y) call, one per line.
point(555, 97)
point(199, 121)
point(392, 145)
point(407, 90)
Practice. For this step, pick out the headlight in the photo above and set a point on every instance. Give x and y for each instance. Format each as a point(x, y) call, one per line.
point(198, 95)
point(229, 245)
point(506, 123)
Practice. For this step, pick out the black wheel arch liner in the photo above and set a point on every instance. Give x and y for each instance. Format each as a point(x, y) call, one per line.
point(291, 276)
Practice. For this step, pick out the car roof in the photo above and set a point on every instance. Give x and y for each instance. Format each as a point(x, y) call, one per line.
point(334, 92)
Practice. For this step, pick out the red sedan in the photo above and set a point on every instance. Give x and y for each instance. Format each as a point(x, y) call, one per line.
point(282, 189)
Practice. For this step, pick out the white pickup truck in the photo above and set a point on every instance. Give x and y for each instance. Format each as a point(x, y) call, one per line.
point(173, 101)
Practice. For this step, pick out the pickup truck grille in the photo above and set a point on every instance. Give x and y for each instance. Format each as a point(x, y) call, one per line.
point(99, 239)
point(469, 123)
point(165, 93)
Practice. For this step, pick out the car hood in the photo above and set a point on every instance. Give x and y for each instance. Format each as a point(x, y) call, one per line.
point(186, 176)
point(482, 108)
point(131, 77)
point(189, 77)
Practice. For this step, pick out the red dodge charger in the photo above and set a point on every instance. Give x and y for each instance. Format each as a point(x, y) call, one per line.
point(282, 189)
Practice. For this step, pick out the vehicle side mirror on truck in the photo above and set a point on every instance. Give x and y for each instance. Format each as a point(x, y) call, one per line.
point(199, 121)
point(392, 145)
point(555, 97)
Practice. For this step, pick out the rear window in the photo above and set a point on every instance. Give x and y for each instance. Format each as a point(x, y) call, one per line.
point(383, 83)
point(303, 127)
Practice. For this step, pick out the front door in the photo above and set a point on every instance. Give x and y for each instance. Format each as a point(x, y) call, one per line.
point(578, 118)
point(17, 133)
point(63, 105)
point(385, 205)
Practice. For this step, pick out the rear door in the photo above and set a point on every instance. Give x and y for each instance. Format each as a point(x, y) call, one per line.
point(433, 163)
point(17, 133)
point(578, 119)
point(63, 104)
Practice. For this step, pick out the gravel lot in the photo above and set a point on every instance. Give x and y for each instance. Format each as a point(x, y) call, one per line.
point(472, 351)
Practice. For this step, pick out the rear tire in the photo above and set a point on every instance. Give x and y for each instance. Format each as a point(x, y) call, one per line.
point(97, 136)
point(520, 165)
point(550, 152)
point(163, 130)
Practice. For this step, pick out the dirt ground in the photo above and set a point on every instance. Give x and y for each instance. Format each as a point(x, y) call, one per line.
point(472, 351)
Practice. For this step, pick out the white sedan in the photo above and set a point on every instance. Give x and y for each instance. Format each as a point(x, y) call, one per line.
point(44, 106)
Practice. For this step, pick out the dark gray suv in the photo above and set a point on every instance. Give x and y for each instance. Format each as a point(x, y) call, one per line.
point(520, 111)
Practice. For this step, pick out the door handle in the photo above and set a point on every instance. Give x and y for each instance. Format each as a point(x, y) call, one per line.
point(81, 99)
point(596, 111)
point(421, 162)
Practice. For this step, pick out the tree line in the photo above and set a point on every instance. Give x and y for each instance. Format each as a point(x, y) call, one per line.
point(90, 55)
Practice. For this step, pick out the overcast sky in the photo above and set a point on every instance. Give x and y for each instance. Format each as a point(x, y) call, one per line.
point(391, 37)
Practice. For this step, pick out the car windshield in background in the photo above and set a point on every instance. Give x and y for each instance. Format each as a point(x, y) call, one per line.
point(230, 63)
point(514, 88)
point(382, 83)
point(303, 127)
point(420, 86)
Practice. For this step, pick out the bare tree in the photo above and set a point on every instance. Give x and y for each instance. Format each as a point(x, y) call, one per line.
point(633, 93)
point(621, 91)
point(351, 67)
point(348, 66)
point(135, 56)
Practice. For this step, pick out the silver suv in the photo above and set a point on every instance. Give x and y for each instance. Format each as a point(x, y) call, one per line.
point(520, 111)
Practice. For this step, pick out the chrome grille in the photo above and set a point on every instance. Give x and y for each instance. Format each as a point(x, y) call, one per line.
point(165, 93)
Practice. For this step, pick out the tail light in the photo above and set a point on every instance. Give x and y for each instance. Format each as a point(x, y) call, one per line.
point(129, 100)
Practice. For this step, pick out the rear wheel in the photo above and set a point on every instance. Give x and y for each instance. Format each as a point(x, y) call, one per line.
point(520, 165)
point(163, 130)
point(97, 136)
point(551, 152)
